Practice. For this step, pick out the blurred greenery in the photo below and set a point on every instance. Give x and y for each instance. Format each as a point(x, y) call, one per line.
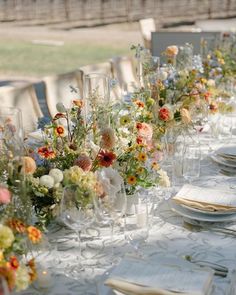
point(25, 58)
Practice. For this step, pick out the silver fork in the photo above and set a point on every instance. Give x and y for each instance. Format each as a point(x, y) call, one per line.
point(196, 225)
point(219, 270)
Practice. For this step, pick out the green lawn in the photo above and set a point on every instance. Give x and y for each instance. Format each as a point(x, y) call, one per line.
point(27, 59)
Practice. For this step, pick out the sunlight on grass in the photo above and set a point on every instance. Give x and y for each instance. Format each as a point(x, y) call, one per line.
point(25, 58)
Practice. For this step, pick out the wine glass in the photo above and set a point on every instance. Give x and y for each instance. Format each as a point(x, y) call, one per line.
point(137, 225)
point(110, 210)
point(76, 212)
point(191, 162)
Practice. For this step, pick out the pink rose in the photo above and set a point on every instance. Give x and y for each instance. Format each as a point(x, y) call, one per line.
point(144, 130)
point(5, 195)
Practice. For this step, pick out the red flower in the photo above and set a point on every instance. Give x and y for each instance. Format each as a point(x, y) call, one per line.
point(58, 116)
point(106, 158)
point(139, 140)
point(46, 153)
point(164, 114)
point(16, 225)
point(14, 263)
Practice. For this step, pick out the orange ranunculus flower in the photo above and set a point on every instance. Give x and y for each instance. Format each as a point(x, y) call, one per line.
point(171, 51)
point(34, 234)
point(29, 165)
point(164, 114)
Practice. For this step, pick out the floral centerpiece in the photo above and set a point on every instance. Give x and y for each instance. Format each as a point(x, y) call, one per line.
point(14, 234)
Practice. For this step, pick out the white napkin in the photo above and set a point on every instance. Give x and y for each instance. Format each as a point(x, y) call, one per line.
point(206, 199)
point(159, 277)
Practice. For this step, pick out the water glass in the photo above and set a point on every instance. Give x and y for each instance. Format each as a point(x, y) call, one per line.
point(191, 162)
point(97, 99)
point(137, 225)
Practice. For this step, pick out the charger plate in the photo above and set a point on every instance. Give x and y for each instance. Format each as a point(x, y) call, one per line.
point(196, 215)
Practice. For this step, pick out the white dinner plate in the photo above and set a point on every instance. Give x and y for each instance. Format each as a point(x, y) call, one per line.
point(227, 151)
point(200, 216)
point(223, 162)
point(216, 213)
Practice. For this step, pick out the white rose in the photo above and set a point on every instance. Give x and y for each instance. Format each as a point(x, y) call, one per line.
point(56, 174)
point(164, 180)
point(46, 180)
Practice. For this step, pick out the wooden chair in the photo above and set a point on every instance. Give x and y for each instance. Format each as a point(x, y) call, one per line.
point(23, 97)
point(63, 88)
point(147, 26)
point(123, 68)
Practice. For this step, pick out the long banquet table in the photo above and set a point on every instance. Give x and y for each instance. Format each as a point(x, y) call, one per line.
point(167, 237)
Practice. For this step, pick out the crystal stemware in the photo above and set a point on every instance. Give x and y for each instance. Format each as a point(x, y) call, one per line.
point(137, 225)
point(191, 162)
point(110, 210)
point(77, 213)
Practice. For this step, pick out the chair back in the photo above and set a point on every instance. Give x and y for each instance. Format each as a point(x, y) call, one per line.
point(63, 88)
point(147, 26)
point(123, 68)
point(23, 97)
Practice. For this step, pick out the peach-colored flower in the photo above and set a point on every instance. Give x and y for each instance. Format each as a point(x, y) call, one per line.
point(164, 114)
point(139, 103)
point(29, 165)
point(108, 140)
point(34, 234)
point(171, 51)
point(78, 102)
point(5, 195)
point(185, 116)
point(84, 162)
point(144, 130)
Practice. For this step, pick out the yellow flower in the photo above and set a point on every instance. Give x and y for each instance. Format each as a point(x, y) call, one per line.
point(155, 166)
point(34, 234)
point(125, 120)
point(140, 170)
point(6, 237)
point(142, 157)
point(131, 179)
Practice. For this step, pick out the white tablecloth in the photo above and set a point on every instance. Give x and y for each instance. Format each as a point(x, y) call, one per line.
point(167, 236)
